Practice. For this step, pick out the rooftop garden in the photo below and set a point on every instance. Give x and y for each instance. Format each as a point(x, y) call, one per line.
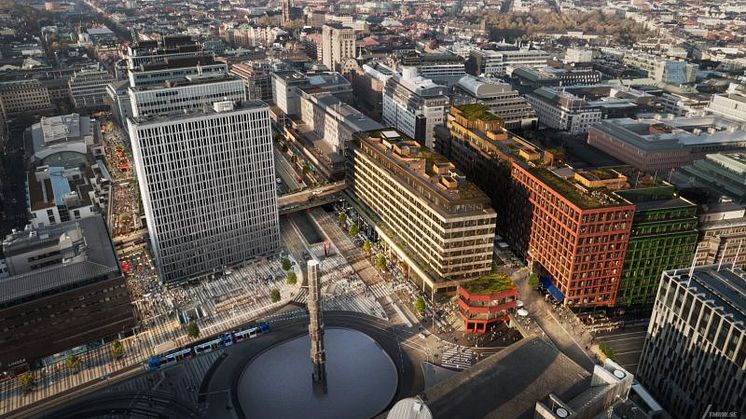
point(491, 283)
point(566, 188)
point(479, 111)
point(604, 174)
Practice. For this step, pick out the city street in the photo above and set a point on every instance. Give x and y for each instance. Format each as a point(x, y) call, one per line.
point(124, 208)
point(555, 322)
point(286, 172)
point(441, 343)
point(220, 304)
point(627, 345)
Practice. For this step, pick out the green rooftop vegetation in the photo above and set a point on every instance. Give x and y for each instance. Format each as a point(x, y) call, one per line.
point(566, 188)
point(491, 283)
point(479, 111)
point(604, 174)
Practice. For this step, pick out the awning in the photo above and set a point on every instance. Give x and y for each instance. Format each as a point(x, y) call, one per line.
point(556, 293)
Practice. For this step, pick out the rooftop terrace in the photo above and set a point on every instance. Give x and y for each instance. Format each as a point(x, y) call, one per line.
point(426, 169)
point(473, 111)
point(191, 80)
point(585, 199)
point(489, 284)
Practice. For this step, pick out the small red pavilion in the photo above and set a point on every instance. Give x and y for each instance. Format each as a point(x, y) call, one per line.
point(486, 300)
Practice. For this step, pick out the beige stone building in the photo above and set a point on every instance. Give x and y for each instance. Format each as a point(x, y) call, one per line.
point(438, 224)
point(722, 234)
point(337, 44)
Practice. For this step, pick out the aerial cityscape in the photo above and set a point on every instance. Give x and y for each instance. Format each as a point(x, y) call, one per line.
point(503, 209)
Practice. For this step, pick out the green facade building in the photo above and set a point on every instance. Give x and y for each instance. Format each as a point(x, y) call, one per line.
point(664, 236)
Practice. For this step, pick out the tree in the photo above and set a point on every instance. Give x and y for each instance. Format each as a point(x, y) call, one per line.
point(366, 246)
point(26, 381)
point(381, 262)
point(294, 159)
point(285, 264)
point(306, 168)
point(275, 295)
point(284, 148)
point(117, 349)
point(606, 350)
point(294, 24)
point(342, 218)
point(533, 280)
point(419, 305)
point(353, 230)
point(292, 278)
point(193, 329)
point(72, 362)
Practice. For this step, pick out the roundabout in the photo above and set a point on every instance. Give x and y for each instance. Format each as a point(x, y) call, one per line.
point(361, 379)
point(271, 377)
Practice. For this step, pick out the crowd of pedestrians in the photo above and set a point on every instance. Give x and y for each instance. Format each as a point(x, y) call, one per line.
point(140, 273)
point(126, 197)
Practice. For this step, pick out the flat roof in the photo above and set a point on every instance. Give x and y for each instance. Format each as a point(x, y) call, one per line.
point(725, 288)
point(655, 198)
point(196, 112)
point(489, 284)
point(187, 81)
point(584, 199)
point(508, 384)
point(63, 127)
point(679, 132)
point(100, 261)
point(355, 119)
point(419, 166)
point(663, 204)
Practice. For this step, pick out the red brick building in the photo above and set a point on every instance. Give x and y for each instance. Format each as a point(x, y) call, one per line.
point(486, 301)
point(578, 236)
point(568, 223)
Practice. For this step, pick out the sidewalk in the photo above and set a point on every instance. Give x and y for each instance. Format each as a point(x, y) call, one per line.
point(573, 340)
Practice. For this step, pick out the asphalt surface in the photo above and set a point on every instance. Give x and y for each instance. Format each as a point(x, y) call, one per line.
point(627, 345)
point(127, 404)
point(568, 340)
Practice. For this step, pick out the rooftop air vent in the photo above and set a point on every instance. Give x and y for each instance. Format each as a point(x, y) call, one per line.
point(224, 106)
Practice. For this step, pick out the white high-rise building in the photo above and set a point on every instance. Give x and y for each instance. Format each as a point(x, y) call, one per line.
point(563, 111)
point(414, 105)
point(730, 105)
point(497, 63)
point(207, 181)
point(194, 92)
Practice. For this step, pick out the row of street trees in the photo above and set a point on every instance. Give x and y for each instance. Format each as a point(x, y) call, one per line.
point(380, 261)
point(292, 277)
point(27, 381)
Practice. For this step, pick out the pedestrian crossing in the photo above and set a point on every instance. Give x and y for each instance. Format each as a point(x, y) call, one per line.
point(457, 357)
point(302, 296)
point(287, 315)
point(380, 290)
